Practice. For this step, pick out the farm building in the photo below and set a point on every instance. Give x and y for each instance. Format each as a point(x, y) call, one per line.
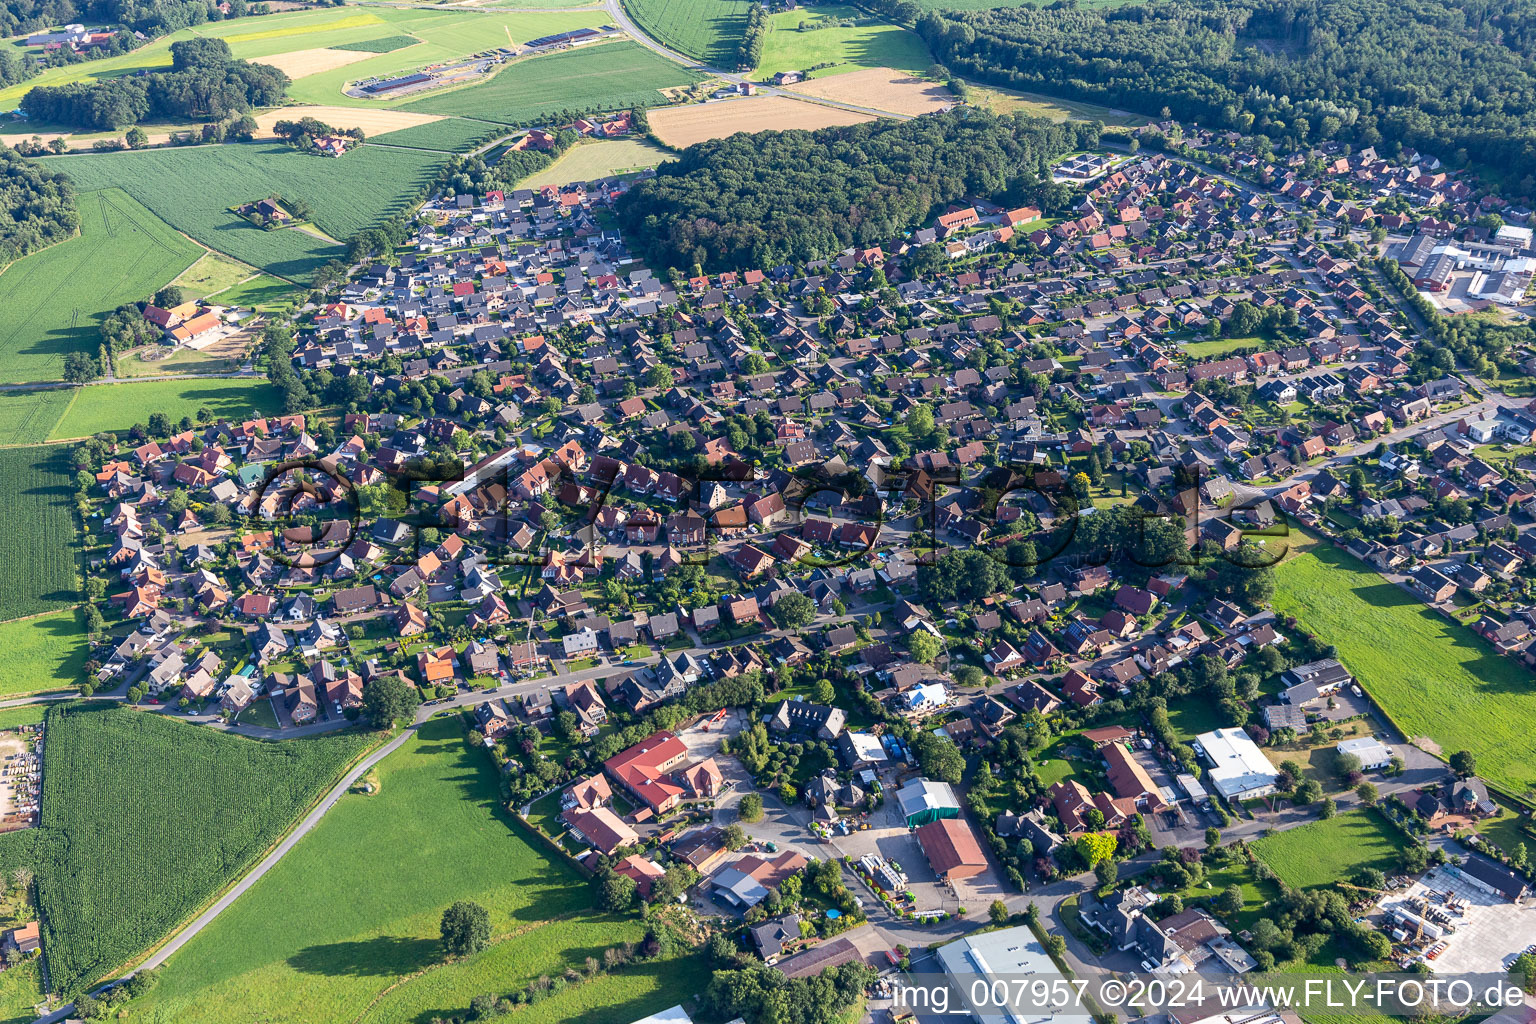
point(923, 801)
point(951, 849)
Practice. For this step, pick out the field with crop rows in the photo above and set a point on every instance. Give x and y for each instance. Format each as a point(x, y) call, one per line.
point(1437, 679)
point(145, 818)
point(376, 875)
point(707, 30)
point(611, 76)
point(27, 417)
point(447, 135)
point(192, 190)
point(384, 44)
point(43, 652)
point(52, 302)
point(39, 546)
point(117, 407)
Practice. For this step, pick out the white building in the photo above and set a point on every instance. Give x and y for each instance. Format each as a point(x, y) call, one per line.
point(1006, 956)
point(1371, 752)
point(580, 643)
point(1239, 769)
point(927, 697)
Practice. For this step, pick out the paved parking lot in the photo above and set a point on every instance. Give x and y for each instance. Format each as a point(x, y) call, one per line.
point(1489, 934)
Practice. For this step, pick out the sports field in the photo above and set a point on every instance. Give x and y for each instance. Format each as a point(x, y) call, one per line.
point(39, 545)
point(118, 407)
point(707, 30)
point(683, 126)
point(53, 301)
point(592, 160)
point(193, 189)
point(1326, 851)
point(866, 43)
point(352, 912)
point(609, 76)
point(1440, 682)
point(45, 652)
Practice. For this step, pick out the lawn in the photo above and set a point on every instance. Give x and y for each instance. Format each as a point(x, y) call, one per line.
point(52, 302)
point(594, 160)
point(262, 293)
point(610, 76)
point(707, 30)
point(259, 713)
point(1438, 681)
point(1325, 851)
point(193, 189)
point(21, 988)
point(1255, 894)
point(145, 818)
point(45, 652)
point(103, 407)
point(215, 272)
point(1191, 716)
point(39, 547)
point(375, 876)
point(867, 43)
point(1213, 347)
point(27, 417)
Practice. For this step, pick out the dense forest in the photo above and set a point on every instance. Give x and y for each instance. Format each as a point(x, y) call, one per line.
point(1450, 78)
point(776, 197)
point(204, 83)
point(37, 207)
point(151, 17)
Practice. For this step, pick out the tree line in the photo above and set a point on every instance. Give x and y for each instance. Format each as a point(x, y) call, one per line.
point(151, 17)
point(786, 197)
point(37, 206)
point(1452, 79)
point(205, 82)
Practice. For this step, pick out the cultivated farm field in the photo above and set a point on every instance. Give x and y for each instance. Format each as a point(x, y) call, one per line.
point(706, 30)
point(39, 546)
point(881, 88)
point(52, 302)
point(117, 407)
point(376, 875)
point(27, 417)
point(444, 134)
point(144, 818)
point(608, 76)
point(685, 125)
point(866, 43)
point(192, 189)
point(1435, 678)
point(1325, 851)
point(43, 652)
point(592, 160)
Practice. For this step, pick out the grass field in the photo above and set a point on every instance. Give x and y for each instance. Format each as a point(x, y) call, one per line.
point(46, 652)
point(449, 134)
point(1438, 680)
point(27, 417)
point(445, 36)
point(1211, 348)
point(594, 160)
point(610, 76)
point(1326, 851)
point(21, 987)
point(707, 30)
point(867, 43)
point(103, 407)
point(695, 122)
point(374, 877)
point(214, 272)
point(1007, 101)
point(145, 818)
point(39, 546)
point(193, 188)
point(52, 302)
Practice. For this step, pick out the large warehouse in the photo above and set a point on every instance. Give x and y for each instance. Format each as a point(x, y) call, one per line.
point(1239, 769)
point(923, 800)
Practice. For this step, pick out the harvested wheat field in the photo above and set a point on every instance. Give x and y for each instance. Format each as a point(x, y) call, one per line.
point(372, 122)
point(299, 63)
point(683, 126)
point(880, 88)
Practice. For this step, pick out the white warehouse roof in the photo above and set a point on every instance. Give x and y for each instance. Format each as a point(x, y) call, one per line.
point(1238, 766)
